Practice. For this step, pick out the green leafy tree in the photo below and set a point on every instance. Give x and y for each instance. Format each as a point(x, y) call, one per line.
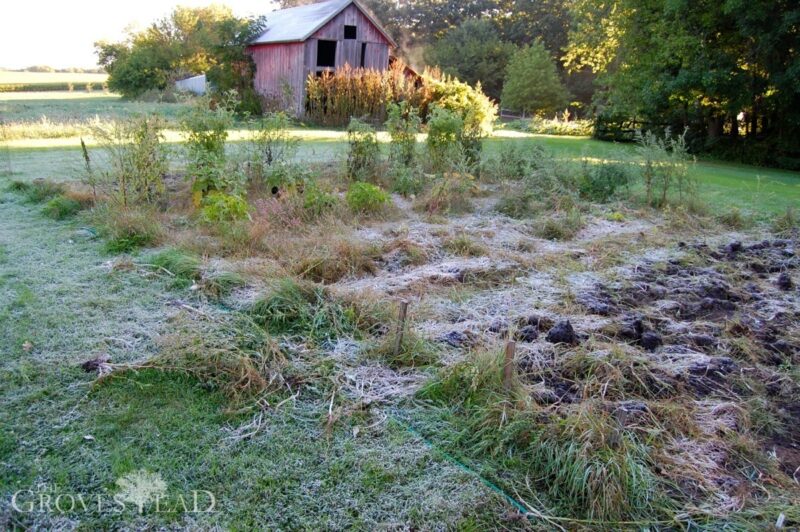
point(473, 52)
point(532, 82)
point(729, 71)
point(189, 41)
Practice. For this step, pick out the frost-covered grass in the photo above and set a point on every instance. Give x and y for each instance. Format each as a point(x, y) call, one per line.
point(61, 303)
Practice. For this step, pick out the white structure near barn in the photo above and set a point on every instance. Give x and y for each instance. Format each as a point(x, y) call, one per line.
point(195, 84)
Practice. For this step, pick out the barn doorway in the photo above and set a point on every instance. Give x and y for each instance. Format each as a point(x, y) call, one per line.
point(326, 53)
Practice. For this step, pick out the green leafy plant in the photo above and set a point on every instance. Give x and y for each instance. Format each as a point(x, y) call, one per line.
point(221, 207)
point(664, 167)
point(366, 198)
point(406, 180)
point(403, 125)
point(132, 163)
point(363, 152)
point(601, 181)
point(271, 143)
point(445, 131)
point(286, 175)
point(206, 125)
point(477, 112)
point(317, 201)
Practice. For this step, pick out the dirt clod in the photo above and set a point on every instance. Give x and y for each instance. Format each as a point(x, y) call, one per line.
point(562, 333)
point(702, 340)
point(785, 282)
point(651, 340)
point(529, 333)
point(458, 339)
point(100, 364)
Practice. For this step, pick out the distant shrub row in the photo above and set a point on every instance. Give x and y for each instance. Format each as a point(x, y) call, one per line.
point(544, 126)
point(49, 87)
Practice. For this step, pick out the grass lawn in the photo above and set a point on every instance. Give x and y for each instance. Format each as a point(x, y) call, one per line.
point(723, 185)
point(62, 107)
point(59, 305)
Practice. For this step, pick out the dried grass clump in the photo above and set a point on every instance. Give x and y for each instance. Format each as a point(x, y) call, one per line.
point(589, 465)
point(413, 351)
point(615, 374)
point(311, 312)
point(332, 262)
point(735, 219)
point(562, 226)
point(233, 356)
point(127, 229)
point(68, 204)
point(450, 193)
point(38, 190)
point(405, 252)
point(462, 244)
point(786, 224)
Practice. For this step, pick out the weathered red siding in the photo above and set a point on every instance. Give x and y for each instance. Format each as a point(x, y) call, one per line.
point(351, 16)
point(286, 65)
point(279, 68)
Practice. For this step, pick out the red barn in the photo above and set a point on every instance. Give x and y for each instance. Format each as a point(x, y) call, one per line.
point(315, 38)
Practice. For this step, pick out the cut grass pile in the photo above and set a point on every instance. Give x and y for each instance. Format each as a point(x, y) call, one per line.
point(306, 310)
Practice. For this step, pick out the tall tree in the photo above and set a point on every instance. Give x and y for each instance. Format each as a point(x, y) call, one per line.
point(188, 41)
point(699, 64)
point(473, 52)
point(533, 84)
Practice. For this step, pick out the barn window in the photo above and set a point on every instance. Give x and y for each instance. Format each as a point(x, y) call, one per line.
point(326, 53)
point(350, 32)
point(363, 54)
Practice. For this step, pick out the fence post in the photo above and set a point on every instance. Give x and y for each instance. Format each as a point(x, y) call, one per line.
point(401, 327)
point(508, 364)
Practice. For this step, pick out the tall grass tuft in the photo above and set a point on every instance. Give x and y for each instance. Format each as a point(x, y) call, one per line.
point(128, 229)
point(590, 466)
point(307, 310)
point(787, 224)
point(182, 267)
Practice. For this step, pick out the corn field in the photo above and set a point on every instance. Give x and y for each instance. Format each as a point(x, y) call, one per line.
point(334, 97)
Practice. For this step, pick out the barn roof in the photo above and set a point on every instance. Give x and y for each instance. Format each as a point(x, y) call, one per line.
point(301, 22)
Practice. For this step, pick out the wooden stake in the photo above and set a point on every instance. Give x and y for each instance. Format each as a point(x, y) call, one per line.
point(401, 327)
point(508, 365)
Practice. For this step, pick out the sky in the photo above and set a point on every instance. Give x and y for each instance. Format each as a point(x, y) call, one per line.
point(62, 33)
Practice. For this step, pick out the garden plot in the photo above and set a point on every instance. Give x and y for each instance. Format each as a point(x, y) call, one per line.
point(704, 325)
